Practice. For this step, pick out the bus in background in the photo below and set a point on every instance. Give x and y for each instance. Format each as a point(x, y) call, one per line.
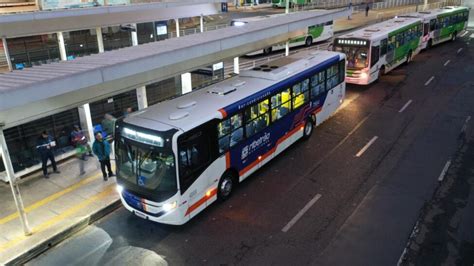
point(315, 33)
point(282, 3)
point(377, 49)
point(177, 157)
point(440, 25)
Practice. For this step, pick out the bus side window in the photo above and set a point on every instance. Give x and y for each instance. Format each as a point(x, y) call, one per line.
point(280, 104)
point(342, 70)
point(383, 47)
point(432, 24)
point(317, 84)
point(193, 155)
point(426, 29)
point(332, 76)
point(374, 55)
point(257, 117)
point(229, 132)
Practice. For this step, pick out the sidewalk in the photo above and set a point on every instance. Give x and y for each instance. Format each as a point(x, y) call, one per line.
point(56, 207)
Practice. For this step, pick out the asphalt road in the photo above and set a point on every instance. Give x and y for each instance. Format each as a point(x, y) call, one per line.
point(365, 208)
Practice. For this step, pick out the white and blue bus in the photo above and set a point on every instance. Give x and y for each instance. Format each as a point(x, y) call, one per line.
point(177, 157)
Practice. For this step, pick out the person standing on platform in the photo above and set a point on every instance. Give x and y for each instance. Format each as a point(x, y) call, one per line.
point(101, 149)
point(367, 8)
point(350, 11)
point(79, 140)
point(45, 145)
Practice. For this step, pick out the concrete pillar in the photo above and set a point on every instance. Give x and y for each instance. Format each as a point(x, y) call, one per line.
point(134, 35)
point(287, 6)
point(86, 121)
point(287, 48)
point(13, 184)
point(7, 53)
point(236, 65)
point(62, 46)
point(141, 98)
point(186, 83)
point(177, 27)
point(100, 39)
point(201, 23)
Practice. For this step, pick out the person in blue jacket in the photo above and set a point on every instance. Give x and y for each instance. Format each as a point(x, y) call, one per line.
point(45, 145)
point(101, 149)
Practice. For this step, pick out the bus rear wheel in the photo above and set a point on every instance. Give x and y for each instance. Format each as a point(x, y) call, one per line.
point(267, 50)
point(308, 41)
point(453, 37)
point(226, 186)
point(308, 128)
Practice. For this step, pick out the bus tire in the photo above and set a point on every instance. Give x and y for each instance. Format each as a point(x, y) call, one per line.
point(308, 41)
point(267, 50)
point(453, 37)
point(308, 128)
point(226, 186)
point(381, 72)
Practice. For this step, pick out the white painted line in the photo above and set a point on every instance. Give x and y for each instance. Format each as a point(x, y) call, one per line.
point(366, 146)
point(445, 170)
point(472, 36)
point(447, 62)
point(405, 106)
point(465, 33)
point(301, 213)
point(464, 127)
point(459, 50)
point(429, 81)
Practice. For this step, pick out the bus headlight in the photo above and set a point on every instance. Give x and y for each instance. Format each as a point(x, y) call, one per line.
point(119, 189)
point(363, 75)
point(169, 206)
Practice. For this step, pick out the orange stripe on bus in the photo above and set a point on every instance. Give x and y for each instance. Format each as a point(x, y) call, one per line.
point(201, 201)
point(223, 112)
point(227, 160)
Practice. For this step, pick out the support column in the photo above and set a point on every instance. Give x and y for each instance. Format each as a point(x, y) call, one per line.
point(134, 35)
point(62, 46)
point(141, 98)
point(201, 23)
point(177, 27)
point(186, 83)
point(287, 6)
point(287, 48)
point(13, 184)
point(7, 53)
point(100, 39)
point(236, 65)
point(86, 121)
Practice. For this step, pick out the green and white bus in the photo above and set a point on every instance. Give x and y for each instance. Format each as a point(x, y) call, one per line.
point(377, 49)
point(440, 25)
point(282, 3)
point(314, 33)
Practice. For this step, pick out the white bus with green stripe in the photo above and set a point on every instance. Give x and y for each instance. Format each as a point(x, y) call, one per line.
point(315, 33)
point(377, 49)
point(444, 24)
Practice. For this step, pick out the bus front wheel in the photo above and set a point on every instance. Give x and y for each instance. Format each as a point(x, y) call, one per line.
point(381, 72)
point(267, 50)
point(308, 128)
point(308, 41)
point(226, 186)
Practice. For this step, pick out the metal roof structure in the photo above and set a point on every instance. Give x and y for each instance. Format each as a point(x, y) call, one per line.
point(198, 107)
point(34, 23)
point(29, 94)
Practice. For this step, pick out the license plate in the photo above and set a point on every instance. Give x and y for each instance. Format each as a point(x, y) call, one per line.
point(141, 215)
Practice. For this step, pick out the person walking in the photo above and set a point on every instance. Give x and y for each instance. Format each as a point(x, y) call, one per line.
point(45, 145)
point(367, 7)
point(79, 141)
point(101, 149)
point(349, 17)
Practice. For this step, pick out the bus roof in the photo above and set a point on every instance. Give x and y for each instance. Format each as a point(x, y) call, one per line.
point(381, 30)
point(198, 107)
point(433, 13)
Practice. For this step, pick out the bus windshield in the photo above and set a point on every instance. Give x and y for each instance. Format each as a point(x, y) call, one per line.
point(356, 56)
point(146, 166)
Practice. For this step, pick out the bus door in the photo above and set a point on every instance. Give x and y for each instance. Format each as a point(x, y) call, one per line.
point(195, 154)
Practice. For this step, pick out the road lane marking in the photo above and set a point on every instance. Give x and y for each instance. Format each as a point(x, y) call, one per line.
point(429, 81)
point(472, 36)
point(49, 199)
point(447, 62)
point(300, 213)
point(464, 126)
point(464, 34)
point(459, 50)
point(405, 106)
point(444, 171)
point(366, 146)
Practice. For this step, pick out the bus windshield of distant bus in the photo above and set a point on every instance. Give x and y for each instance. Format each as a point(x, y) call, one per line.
point(357, 52)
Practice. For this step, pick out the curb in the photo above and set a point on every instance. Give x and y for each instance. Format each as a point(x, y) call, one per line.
point(66, 233)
